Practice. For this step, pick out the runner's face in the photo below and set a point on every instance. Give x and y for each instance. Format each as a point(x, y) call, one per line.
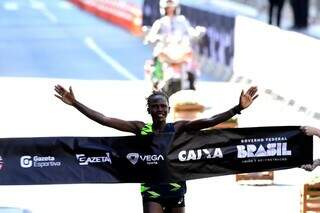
point(158, 108)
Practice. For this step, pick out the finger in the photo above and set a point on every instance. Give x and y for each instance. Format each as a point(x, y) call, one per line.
point(58, 97)
point(59, 89)
point(252, 91)
point(71, 91)
point(304, 129)
point(59, 92)
point(306, 167)
point(56, 87)
point(303, 167)
point(249, 92)
point(242, 93)
point(256, 96)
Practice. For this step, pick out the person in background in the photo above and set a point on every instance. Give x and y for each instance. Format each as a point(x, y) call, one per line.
point(311, 131)
point(275, 11)
point(300, 10)
point(173, 33)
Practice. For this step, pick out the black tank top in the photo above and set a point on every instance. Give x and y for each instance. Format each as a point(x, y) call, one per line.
point(163, 190)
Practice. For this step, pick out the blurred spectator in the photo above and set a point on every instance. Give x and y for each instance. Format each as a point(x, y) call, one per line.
point(275, 10)
point(300, 13)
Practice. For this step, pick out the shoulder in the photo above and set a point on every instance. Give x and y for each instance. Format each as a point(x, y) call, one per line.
point(157, 23)
point(181, 18)
point(179, 125)
point(170, 127)
point(138, 126)
point(162, 19)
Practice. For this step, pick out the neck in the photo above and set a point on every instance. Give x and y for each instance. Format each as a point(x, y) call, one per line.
point(158, 126)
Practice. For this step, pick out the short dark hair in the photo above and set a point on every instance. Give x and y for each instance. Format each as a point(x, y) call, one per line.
point(155, 93)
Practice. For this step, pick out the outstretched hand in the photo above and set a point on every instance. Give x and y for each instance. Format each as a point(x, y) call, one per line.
point(311, 167)
point(308, 130)
point(64, 95)
point(307, 167)
point(248, 97)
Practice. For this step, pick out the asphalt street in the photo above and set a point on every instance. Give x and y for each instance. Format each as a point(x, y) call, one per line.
point(55, 39)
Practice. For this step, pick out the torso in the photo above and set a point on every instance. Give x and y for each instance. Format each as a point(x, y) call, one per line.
point(164, 190)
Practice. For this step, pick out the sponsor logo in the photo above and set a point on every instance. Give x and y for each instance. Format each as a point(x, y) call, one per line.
point(84, 160)
point(263, 150)
point(28, 161)
point(1, 163)
point(149, 159)
point(199, 154)
point(133, 158)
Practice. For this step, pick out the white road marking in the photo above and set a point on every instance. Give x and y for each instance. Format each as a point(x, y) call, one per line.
point(107, 58)
point(65, 5)
point(38, 5)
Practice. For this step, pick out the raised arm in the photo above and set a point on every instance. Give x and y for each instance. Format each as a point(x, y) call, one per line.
point(245, 101)
point(68, 98)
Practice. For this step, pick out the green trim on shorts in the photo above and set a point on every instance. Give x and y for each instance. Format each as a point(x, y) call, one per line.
point(153, 194)
point(143, 188)
point(175, 186)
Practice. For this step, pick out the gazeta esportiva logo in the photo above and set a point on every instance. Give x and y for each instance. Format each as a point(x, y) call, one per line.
point(28, 161)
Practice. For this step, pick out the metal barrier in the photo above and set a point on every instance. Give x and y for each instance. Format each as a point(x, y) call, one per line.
point(121, 13)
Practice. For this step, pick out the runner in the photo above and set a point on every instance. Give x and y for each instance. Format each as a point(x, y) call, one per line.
point(173, 65)
point(159, 198)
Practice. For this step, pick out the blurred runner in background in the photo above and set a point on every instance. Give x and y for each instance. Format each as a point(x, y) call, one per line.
point(173, 65)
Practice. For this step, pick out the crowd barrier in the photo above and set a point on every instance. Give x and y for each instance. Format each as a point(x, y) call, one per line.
point(121, 13)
